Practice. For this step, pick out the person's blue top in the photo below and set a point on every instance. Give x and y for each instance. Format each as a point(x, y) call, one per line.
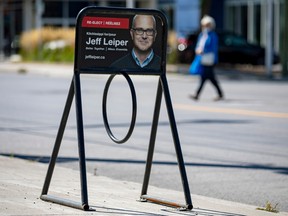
point(211, 44)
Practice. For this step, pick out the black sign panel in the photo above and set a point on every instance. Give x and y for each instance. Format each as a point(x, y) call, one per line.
point(113, 40)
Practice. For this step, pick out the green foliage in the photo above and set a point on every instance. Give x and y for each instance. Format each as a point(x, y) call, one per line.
point(172, 57)
point(36, 45)
point(65, 54)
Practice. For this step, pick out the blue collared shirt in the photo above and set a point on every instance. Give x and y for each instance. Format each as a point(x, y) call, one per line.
point(146, 61)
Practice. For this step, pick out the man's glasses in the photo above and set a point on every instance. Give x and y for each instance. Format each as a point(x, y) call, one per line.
point(140, 31)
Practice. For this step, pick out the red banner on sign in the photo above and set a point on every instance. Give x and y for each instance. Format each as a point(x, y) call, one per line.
point(105, 22)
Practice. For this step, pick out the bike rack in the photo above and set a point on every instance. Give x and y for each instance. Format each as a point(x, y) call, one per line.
point(86, 21)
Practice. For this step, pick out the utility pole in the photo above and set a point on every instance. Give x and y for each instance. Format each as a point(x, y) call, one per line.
point(284, 42)
point(2, 31)
point(269, 38)
point(39, 6)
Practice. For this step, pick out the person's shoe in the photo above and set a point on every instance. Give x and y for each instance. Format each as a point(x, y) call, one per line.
point(194, 97)
point(219, 98)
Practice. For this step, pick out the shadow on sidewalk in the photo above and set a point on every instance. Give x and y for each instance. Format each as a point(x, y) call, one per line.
point(203, 212)
point(196, 212)
point(46, 159)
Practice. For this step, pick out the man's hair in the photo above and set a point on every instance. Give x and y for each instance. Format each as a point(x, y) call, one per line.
point(134, 18)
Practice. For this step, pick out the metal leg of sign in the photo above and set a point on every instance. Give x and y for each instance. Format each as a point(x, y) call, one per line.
point(44, 195)
point(81, 149)
point(152, 140)
point(176, 142)
point(58, 140)
point(144, 197)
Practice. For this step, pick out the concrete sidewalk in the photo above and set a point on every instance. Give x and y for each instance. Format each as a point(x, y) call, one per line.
point(37, 68)
point(67, 69)
point(21, 183)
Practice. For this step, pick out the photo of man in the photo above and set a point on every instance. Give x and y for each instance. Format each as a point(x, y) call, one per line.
point(143, 34)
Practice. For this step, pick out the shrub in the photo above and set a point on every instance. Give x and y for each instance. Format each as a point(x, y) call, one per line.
point(48, 44)
point(172, 52)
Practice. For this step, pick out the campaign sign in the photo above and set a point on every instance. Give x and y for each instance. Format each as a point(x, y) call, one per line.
point(113, 40)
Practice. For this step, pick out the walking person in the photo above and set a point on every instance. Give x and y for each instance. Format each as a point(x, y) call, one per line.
point(207, 48)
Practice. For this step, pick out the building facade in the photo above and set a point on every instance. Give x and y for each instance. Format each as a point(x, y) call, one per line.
point(254, 18)
point(17, 16)
point(260, 21)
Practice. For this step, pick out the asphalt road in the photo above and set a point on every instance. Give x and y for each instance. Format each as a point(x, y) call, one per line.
point(235, 149)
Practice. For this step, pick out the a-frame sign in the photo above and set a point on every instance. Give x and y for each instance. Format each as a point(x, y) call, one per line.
point(114, 41)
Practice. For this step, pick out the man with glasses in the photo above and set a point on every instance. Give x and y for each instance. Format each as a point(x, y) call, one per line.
point(143, 34)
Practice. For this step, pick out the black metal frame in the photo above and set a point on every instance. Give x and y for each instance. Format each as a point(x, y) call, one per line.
point(75, 89)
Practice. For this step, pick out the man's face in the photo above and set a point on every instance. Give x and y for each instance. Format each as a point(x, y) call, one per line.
point(143, 33)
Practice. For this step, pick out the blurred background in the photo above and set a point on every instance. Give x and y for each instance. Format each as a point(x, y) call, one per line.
point(250, 32)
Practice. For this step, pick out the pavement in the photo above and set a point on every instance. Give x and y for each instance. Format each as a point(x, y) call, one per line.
point(66, 69)
point(21, 183)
